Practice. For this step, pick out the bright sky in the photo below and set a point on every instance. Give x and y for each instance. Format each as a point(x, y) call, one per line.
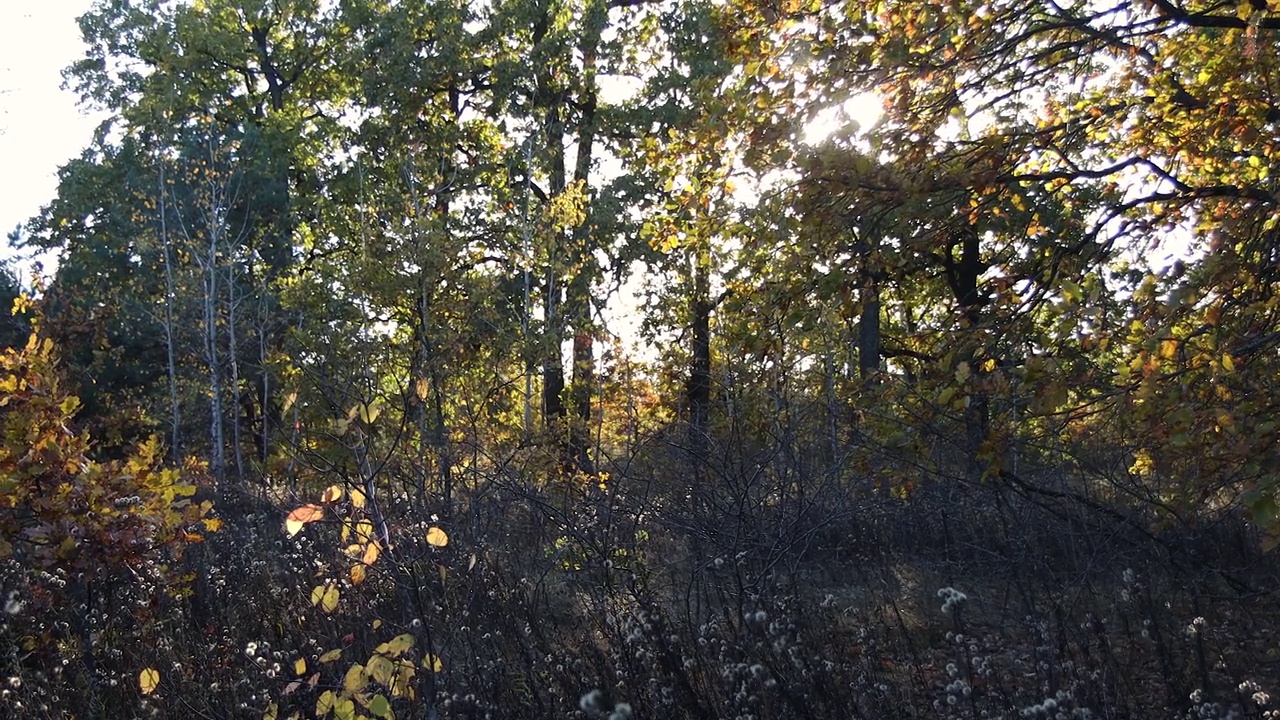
point(41, 126)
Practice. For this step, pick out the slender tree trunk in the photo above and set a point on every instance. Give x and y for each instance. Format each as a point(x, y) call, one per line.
point(234, 360)
point(526, 318)
point(175, 449)
point(215, 221)
point(264, 388)
point(216, 435)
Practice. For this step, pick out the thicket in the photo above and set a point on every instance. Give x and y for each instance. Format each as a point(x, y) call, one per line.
point(328, 409)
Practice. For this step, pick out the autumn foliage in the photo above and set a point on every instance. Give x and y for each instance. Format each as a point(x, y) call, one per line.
point(63, 509)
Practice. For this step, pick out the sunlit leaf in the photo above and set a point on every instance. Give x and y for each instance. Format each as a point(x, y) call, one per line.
point(332, 494)
point(355, 679)
point(299, 517)
point(325, 703)
point(396, 646)
point(379, 669)
point(329, 602)
point(437, 537)
point(148, 680)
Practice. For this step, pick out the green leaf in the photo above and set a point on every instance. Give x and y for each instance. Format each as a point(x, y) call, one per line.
point(380, 706)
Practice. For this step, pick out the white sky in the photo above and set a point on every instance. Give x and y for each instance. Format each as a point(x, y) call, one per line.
point(41, 126)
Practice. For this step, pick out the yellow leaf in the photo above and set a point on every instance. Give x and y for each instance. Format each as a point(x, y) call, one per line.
point(308, 513)
point(148, 679)
point(325, 704)
point(358, 574)
point(420, 387)
point(329, 602)
point(332, 494)
point(272, 711)
point(357, 498)
point(401, 683)
point(317, 594)
point(370, 553)
point(396, 646)
point(370, 412)
point(1228, 363)
point(432, 663)
point(330, 656)
point(380, 669)
point(437, 537)
point(377, 624)
point(300, 666)
point(364, 531)
point(355, 680)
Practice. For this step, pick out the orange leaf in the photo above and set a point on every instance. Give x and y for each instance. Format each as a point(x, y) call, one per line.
point(301, 516)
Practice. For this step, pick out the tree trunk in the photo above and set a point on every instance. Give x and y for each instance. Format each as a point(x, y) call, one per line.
point(554, 413)
point(234, 360)
point(869, 329)
point(579, 292)
point(699, 387)
point(175, 415)
point(217, 451)
point(963, 275)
